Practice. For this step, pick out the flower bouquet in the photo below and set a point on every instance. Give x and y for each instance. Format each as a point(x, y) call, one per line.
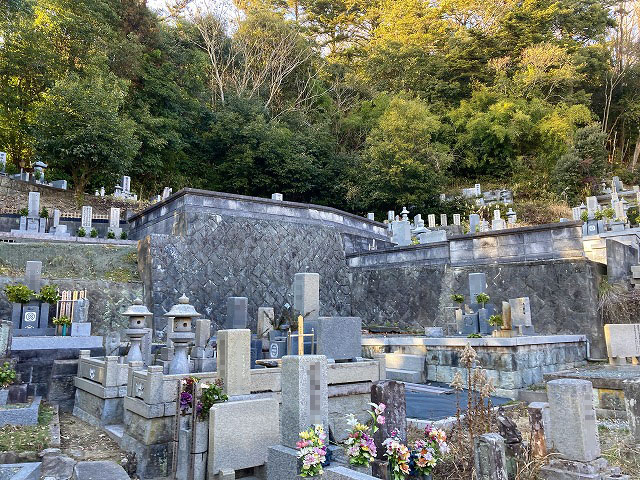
point(398, 456)
point(361, 449)
point(428, 452)
point(312, 451)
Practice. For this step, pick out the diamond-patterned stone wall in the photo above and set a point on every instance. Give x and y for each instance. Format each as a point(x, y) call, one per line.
point(216, 257)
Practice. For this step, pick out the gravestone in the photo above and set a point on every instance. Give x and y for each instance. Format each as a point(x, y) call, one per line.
point(456, 219)
point(56, 221)
point(520, 312)
point(266, 316)
point(111, 344)
point(114, 221)
point(87, 218)
point(305, 400)
point(33, 275)
point(202, 353)
point(592, 206)
point(34, 205)
point(276, 196)
point(574, 431)
point(623, 341)
point(338, 338)
point(433, 236)
point(539, 421)
point(489, 457)
point(62, 184)
point(3, 161)
point(306, 295)
point(618, 208)
point(477, 285)
point(478, 190)
point(391, 216)
point(392, 394)
point(474, 222)
point(443, 219)
point(126, 184)
point(236, 313)
point(166, 192)
point(401, 232)
point(431, 219)
point(371, 216)
point(234, 357)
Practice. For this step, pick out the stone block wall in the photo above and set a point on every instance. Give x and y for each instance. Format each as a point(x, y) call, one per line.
point(620, 258)
point(563, 294)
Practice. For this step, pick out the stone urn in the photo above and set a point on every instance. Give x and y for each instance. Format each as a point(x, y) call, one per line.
point(138, 314)
point(182, 314)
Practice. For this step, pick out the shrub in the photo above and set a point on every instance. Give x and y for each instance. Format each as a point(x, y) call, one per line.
point(19, 293)
point(495, 320)
point(211, 395)
point(7, 375)
point(609, 213)
point(123, 236)
point(23, 212)
point(457, 298)
point(584, 216)
point(483, 298)
point(44, 213)
point(62, 320)
point(111, 235)
point(94, 233)
point(82, 232)
point(49, 294)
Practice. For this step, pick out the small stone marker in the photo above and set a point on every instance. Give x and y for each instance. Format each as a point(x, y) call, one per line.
point(87, 218)
point(126, 184)
point(507, 322)
point(306, 295)
point(6, 331)
point(114, 221)
point(431, 219)
point(234, 357)
point(371, 216)
point(489, 457)
point(443, 219)
point(276, 196)
point(456, 219)
point(477, 284)
point(592, 205)
point(623, 340)
point(574, 432)
point(266, 316)
point(236, 313)
point(305, 400)
point(391, 393)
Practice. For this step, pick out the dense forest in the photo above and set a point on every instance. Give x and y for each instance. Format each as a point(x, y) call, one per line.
point(364, 105)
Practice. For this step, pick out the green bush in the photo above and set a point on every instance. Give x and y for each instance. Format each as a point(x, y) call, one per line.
point(49, 294)
point(483, 298)
point(111, 235)
point(19, 293)
point(584, 216)
point(457, 298)
point(23, 212)
point(81, 232)
point(62, 320)
point(474, 335)
point(210, 395)
point(609, 213)
point(7, 375)
point(495, 320)
point(94, 233)
point(44, 213)
point(123, 236)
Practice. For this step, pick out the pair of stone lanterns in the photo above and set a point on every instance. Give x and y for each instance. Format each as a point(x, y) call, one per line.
point(181, 314)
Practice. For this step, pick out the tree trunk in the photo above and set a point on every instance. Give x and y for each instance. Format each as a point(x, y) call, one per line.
point(636, 153)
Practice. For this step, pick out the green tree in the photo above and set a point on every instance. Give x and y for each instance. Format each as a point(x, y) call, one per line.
point(81, 130)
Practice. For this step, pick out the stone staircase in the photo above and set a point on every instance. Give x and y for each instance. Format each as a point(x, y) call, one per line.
point(406, 368)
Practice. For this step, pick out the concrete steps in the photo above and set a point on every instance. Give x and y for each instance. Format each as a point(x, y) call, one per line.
point(404, 367)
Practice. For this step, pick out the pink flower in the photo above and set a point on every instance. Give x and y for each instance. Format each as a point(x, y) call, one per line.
point(381, 420)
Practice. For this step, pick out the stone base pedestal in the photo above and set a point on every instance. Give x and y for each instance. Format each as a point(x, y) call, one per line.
point(282, 463)
point(81, 329)
point(598, 469)
point(98, 405)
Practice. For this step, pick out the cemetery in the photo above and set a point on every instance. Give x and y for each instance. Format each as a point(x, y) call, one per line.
point(227, 336)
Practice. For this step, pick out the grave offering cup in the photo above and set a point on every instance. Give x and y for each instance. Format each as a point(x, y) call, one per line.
point(182, 314)
point(137, 314)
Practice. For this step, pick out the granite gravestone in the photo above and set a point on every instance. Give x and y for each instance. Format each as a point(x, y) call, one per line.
point(474, 222)
point(402, 233)
point(456, 219)
point(87, 218)
point(338, 338)
point(306, 295)
point(521, 314)
point(236, 313)
point(114, 221)
point(234, 357)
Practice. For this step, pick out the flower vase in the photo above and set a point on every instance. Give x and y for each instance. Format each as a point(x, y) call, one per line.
point(64, 330)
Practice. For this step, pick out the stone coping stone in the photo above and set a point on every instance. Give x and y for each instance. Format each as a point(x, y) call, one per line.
point(52, 238)
point(20, 471)
point(55, 342)
point(21, 416)
point(256, 200)
point(373, 341)
point(601, 376)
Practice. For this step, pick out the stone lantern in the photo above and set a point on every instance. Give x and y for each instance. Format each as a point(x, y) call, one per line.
point(181, 314)
point(137, 314)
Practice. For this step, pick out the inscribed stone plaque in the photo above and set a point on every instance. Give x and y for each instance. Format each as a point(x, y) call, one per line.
point(33, 275)
point(114, 217)
point(87, 215)
point(34, 204)
point(622, 340)
point(30, 316)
